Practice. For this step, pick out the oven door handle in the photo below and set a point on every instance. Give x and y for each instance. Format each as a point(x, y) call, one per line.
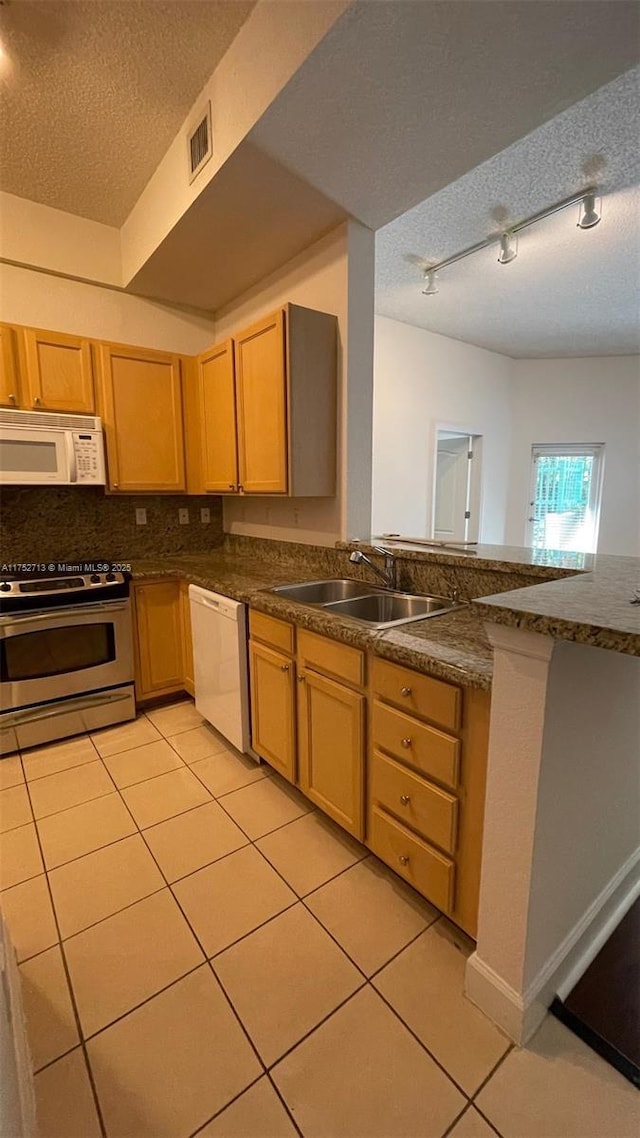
point(31, 715)
point(101, 607)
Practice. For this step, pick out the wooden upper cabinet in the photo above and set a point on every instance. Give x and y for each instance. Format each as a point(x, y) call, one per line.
point(261, 386)
point(58, 372)
point(218, 435)
point(141, 405)
point(9, 378)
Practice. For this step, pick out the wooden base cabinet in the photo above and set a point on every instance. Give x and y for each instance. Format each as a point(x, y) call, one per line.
point(426, 786)
point(159, 638)
point(315, 694)
point(331, 734)
point(187, 639)
point(272, 708)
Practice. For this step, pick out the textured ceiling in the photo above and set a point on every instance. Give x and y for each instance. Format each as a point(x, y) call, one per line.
point(569, 292)
point(93, 92)
point(404, 96)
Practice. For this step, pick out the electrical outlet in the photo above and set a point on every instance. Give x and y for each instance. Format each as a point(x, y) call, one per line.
point(205, 515)
point(141, 516)
point(183, 516)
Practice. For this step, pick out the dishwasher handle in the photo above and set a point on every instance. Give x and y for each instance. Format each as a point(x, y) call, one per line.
point(225, 606)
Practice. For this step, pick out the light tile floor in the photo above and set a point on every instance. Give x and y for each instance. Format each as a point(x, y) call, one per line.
point(204, 953)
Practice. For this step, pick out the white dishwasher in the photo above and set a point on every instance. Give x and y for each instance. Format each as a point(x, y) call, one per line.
point(219, 630)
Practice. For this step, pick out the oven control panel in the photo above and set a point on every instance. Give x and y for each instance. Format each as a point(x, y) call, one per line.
point(89, 456)
point(17, 593)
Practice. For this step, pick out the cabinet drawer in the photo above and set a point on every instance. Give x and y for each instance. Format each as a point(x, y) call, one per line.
point(430, 872)
point(424, 747)
point(279, 633)
point(326, 655)
point(418, 694)
point(423, 806)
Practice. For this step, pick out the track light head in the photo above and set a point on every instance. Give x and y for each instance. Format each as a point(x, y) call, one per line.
point(508, 248)
point(432, 283)
point(589, 211)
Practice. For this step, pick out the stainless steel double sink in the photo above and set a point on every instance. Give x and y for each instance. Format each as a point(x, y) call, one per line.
point(368, 604)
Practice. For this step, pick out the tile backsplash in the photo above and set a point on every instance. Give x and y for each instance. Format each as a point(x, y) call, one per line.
point(70, 523)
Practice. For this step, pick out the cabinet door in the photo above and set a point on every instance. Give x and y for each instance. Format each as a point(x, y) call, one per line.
point(141, 403)
point(59, 372)
point(331, 748)
point(9, 388)
point(217, 394)
point(272, 708)
point(159, 629)
point(187, 639)
point(261, 388)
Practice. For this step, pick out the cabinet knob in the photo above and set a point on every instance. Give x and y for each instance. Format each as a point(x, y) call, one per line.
point(284, 667)
point(405, 691)
point(406, 742)
point(115, 485)
point(12, 397)
point(301, 678)
point(232, 486)
point(405, 800)
point(37, 401)
point(403, 860)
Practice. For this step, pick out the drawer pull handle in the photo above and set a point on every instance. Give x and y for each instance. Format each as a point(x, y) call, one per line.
point(403, 860)
point(284, 667)
point(406, 742)
point(405, 800)
point(405, 691)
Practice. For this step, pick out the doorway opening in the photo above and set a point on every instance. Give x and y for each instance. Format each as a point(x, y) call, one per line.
point(457, 493)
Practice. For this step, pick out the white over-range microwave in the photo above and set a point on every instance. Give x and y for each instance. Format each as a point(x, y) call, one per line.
point(41, 449)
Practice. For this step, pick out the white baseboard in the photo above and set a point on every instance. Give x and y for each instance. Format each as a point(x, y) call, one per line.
point(520, 1013)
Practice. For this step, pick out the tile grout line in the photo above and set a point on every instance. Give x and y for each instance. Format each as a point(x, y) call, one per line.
point(206, 961)
point(72, 996)
point(209, 960)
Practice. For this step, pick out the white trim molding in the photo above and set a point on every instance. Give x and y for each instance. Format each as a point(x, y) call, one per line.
point(520, 1015)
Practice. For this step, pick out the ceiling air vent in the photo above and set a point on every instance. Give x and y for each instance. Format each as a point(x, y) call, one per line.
point(199, 143)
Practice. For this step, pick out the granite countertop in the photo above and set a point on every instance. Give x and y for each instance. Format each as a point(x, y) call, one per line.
point(586, 597)
point(453, 646)
point(592, 608)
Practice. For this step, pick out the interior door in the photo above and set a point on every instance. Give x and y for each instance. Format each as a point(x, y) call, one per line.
point(452, 489)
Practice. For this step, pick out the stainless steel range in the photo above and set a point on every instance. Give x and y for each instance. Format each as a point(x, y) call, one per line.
point(66, 656)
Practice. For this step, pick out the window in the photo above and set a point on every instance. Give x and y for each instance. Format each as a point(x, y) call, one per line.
point(564, 503)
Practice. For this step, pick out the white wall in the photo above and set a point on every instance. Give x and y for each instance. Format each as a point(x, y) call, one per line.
point(268, 50)
point(34, 234)
point(561, 819)
point(61, 305)
point(334, 275)
point(422, 379)
point(587, 400)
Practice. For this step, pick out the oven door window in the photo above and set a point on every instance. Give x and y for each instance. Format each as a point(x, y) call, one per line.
point(56, 651)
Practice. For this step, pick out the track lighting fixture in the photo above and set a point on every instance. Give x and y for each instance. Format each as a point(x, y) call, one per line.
point(589, 211)
point(508, 248)
point(589, 216)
